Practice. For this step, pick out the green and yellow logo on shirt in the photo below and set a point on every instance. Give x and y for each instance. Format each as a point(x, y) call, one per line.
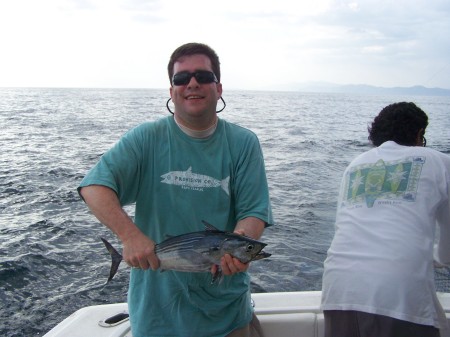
point(383, 180)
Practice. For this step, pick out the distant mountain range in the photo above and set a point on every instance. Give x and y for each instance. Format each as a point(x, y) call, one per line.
point(369, 89)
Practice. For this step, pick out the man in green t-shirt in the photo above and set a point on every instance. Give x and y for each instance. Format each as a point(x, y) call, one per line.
point(180, 170)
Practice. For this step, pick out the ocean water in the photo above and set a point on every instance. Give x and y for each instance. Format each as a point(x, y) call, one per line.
point(52, 261)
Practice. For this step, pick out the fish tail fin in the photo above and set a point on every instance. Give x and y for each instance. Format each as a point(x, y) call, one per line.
point(116, 259)
point(225, 183)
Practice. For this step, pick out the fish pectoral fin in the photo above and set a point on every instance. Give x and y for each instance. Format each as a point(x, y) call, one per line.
point(217, 276)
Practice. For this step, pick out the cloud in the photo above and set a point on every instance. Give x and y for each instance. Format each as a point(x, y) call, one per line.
point(261, 44)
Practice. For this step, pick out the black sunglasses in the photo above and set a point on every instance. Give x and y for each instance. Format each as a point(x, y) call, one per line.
point(201, 76)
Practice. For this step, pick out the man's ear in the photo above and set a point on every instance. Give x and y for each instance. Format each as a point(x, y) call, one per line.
point(419, 137)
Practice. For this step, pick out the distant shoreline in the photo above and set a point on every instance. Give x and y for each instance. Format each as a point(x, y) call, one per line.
point(365, 89)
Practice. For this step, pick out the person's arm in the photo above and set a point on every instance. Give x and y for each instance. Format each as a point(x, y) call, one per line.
point(251, 227)
point(442, 248)
point(138, 249)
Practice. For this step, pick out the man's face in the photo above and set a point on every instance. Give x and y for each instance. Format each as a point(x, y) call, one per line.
point(195, 103)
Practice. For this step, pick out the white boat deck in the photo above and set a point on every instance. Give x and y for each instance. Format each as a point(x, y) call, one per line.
point(287, 314)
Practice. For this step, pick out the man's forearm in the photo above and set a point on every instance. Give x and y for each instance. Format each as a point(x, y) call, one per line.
point(104, 204)
point(251, 227)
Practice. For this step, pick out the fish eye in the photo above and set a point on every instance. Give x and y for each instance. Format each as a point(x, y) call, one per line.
point(250, 247)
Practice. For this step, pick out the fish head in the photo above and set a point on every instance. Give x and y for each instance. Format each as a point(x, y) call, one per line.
point(243, 248)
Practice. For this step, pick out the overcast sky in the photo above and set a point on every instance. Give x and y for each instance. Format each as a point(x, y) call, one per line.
point(261, 44)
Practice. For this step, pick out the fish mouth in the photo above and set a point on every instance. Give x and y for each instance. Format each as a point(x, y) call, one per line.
point(261, 255)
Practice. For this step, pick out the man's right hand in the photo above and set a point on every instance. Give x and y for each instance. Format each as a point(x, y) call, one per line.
point(139, 251)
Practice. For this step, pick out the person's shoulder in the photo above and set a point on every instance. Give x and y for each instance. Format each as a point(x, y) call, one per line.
point(152, 125)
point(440, 156)
point(360, 159)
point(163, 121)
point(436, 152)
point(237, 130)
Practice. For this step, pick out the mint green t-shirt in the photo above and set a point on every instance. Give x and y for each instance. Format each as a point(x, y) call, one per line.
point(177, 181)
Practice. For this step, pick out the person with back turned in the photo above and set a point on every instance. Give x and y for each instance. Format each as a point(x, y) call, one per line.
point(170, 168)
point(379, 273)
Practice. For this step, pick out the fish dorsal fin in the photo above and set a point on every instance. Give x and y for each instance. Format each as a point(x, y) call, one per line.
point(209, 227)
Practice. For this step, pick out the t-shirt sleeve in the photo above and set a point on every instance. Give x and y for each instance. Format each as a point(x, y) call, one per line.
point(118, 169)
point(251, 188)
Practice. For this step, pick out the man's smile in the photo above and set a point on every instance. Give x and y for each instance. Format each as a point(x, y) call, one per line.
point(193, 97)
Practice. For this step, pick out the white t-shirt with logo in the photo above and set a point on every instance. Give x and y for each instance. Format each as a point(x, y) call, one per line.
point(381, 258)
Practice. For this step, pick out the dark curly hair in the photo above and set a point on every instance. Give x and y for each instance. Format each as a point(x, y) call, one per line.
point(399, 122)
point(193, 48)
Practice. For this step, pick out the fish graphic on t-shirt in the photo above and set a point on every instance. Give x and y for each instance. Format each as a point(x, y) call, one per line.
point(194, 180)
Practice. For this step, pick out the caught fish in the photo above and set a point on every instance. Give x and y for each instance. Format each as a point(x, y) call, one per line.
point(198, 251)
